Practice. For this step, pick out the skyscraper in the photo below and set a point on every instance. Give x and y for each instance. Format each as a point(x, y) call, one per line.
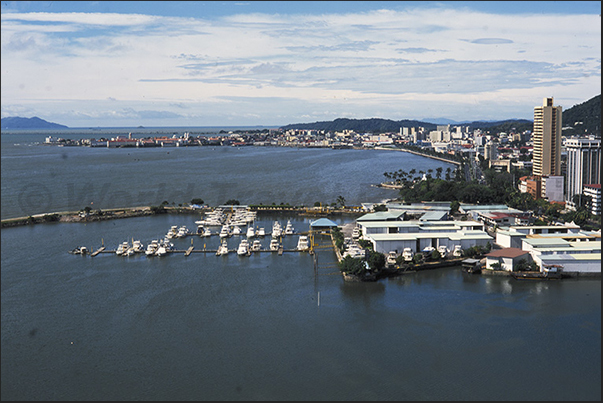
point(583, 165)
point(547, 139)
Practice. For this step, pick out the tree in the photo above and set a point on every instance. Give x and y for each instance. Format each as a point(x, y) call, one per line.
point(232, 202)
point(197, 201)
point(439, 172)
point(351, 265)
point(454, 207)
point(375, 260)
point(341, 201)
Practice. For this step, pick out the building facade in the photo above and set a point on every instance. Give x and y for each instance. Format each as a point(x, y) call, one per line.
point(547, 139)
point(583, 166)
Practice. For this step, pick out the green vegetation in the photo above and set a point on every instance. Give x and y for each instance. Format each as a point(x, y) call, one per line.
point(158, 209)
point(197, 200)
point(338, 238)
point(352, 265)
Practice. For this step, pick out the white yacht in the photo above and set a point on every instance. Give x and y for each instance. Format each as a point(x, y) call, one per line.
point(390, 260)
point(274, 245)
point(354, 250)
point(243, 248)
point(256, 246)
point(122, 248)
point(236, 230)
point(225, 231)
point(250, 232)
point(289, 228)
point(161, 250)
point(222, 249)
point(277, 230)
point(164, 247)
point(137, 247)
point(457, 252)
point(408, 254)
point(428, 249)
point(173, 232)
point(261, 231)
point(206, 231)
point(152, 248)
point(443, 251)
point(356, 233)
point(302, 243)
point(182, 232)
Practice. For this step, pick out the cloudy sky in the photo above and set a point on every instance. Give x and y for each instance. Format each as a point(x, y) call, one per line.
point(115, 64)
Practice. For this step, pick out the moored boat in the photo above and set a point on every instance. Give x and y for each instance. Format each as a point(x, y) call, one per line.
point(243, 248)
point(302, 243)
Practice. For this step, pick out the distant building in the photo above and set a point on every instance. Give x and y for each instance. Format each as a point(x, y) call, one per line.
point(594, 193)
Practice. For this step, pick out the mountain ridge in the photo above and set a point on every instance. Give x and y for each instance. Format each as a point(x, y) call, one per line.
point(29, 123)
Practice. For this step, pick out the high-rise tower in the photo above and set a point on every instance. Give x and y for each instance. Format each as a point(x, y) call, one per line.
point(547, 139)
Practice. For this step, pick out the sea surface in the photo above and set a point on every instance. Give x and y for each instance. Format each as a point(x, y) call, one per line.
point(262, 327)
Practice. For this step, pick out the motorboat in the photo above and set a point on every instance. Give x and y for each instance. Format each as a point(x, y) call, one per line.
point(277, 230)
point(206, 231)
point(457, 252)
point(152, 248)
point(182, 232)
point(302, 243)
point(261, 231)
point(164, 247)
point(256, 246)
point(243, 248)
point(250, 232)
point(443, 251)
point(122, 248)
point(390, 260)
point(225, 231)
point(222, 249)
point(137, 246)
point(274, 245)
point(428, 249)
point(172, 232)
point(356, 233)
point(289, 228)
point(80, 250)
point(236, 230)
point(407, 254)
point(161, 250)
point(354, 250)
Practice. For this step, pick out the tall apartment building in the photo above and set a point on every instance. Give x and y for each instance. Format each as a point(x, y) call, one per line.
point(583, 166)
point(547, 139)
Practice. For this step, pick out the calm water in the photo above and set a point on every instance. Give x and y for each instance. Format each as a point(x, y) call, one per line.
point(263, 327)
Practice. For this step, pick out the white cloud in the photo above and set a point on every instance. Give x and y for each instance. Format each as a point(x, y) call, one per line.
point(456, 63)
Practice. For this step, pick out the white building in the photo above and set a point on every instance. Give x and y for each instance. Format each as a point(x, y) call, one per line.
point(583, 165)
point(389, 236)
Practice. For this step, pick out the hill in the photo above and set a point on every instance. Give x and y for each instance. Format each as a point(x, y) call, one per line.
point(373, 125)
point(29, 123)
point(589, 113)
point(376, 125)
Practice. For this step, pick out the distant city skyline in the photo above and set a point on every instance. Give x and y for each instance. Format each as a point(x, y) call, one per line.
point(130, 63)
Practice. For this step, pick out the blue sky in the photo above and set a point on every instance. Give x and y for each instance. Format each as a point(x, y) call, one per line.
point(238, 63)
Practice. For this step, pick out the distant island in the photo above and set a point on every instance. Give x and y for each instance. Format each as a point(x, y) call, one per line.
point(29, 123)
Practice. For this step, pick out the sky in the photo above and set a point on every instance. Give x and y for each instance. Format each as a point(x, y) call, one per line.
point(273, 63)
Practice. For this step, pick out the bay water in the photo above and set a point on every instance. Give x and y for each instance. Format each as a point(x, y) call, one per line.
point(262, 327)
